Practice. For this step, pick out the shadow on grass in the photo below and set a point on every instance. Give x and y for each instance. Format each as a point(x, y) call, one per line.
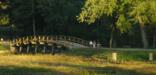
point(106, 54)
point(90, 70)
point(115, 71)
point(84, 52)
point(13, 70)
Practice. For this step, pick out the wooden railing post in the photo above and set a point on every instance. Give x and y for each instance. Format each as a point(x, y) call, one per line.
point(150, 56)
point(114, 56)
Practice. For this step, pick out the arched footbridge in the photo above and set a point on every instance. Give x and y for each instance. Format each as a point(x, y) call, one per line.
point(46, 44)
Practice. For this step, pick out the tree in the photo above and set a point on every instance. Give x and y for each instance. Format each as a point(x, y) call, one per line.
point(4, 16)
point(123, 12)
point(21, 16)
point(143, 12)
point(95, 9)
point(52, 17)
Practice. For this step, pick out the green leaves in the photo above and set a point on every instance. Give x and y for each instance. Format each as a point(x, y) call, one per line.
point(4, 18)
point(138, 12)
point(94, 9)
point(152, 11)
point(3, 5)
point(122, 23)
point(129, 11)
point(143, 11)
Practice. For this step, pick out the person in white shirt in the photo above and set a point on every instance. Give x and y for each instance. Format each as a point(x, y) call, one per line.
point(91, 44)
point(94, 44)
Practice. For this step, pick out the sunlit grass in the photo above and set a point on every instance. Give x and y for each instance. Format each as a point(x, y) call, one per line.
point(3, 47)
point(72, 62)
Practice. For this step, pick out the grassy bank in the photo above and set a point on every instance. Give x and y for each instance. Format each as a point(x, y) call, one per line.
point(67, 65)
point(4, 46)
point(105, 54)
point(77, 62)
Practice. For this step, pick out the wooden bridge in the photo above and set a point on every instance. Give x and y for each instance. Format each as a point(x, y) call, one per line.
point(46, 44)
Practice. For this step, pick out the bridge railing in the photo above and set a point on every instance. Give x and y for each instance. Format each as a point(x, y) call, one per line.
point(43, 39)
point(73, 39)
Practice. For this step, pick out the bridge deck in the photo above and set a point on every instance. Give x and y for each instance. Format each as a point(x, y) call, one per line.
point(55, 42)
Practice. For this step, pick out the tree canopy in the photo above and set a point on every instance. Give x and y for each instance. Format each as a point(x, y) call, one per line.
point(107, 21)
point(4, 16)
point(125, 13)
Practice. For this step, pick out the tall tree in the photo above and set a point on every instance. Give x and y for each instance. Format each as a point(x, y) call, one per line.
point(21, 16)
point(95, 9)
point(143, 12)
point(52, 17)
point(123, 12)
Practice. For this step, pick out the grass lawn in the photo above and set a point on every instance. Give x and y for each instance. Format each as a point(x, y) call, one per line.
point(3, 47)
point(78, 62)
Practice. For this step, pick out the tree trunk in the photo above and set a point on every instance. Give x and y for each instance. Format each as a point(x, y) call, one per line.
point(33, 18)
point(154, 40)
point(111, 38)
point(143, 36)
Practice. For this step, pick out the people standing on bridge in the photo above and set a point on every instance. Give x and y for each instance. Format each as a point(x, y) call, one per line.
point(98, 45)
point(91, 44)
point(94, 44)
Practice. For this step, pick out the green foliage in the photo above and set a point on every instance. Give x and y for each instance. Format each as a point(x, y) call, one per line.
point(4, 5)
point(139, 11)
point(122, 23)
point(4, 18)
point(143, 11)
point(57, 17)
point(152, 11)
point(126, 12)
point(52, 17)
point(94, 9)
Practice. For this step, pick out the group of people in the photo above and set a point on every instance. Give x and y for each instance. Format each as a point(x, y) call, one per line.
point(94, 44)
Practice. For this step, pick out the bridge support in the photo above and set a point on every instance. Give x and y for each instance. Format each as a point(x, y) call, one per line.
point(20, 49)
point(52, 50)
point(36, 48)
point(28, 48)
point(44, 49)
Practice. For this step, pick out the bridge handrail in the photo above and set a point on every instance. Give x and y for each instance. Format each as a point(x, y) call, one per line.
point(52, 38)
